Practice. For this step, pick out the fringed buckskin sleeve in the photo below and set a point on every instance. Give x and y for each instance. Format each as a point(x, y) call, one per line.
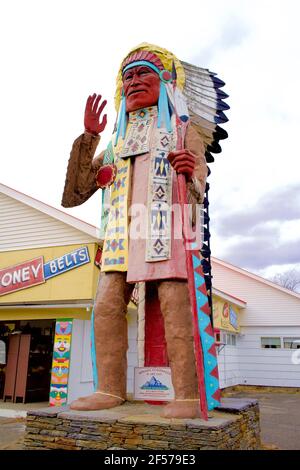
point(196, 187)
point(80, 182)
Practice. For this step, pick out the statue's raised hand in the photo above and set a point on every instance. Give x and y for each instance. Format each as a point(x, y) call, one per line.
point(92, 116)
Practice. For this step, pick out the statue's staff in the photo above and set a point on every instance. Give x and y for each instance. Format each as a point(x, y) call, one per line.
point(182, 195)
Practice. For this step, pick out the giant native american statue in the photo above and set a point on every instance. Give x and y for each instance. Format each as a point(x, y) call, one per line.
point(166, 128)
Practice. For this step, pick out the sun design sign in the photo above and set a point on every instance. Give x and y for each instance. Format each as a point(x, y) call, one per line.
point(225, 316)
point(34, 272)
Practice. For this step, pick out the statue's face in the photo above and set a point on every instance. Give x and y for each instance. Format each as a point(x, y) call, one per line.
point(141, 87)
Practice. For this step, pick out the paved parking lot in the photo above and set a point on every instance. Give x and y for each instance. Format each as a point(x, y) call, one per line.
point(279, 417)
point(279, 412)
point(11, 433)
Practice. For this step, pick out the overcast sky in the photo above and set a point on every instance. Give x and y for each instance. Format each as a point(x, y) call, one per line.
point(55, 53)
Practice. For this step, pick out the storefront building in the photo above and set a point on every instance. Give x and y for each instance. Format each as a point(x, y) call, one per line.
point(265, 348)
point(48, 278)
point(226, 320)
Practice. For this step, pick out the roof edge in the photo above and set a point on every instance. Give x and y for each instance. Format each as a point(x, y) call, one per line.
point(254, 276)
point(51, 211)
point(231, 298)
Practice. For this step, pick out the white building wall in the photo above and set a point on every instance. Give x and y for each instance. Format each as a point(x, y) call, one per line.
point(266, 305)
point(270, 311)
point(269, 367)
point(228, 365)
point(22, 226)
point(81, 373)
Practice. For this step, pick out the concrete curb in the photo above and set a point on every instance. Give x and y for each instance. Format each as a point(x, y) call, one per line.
point(7, 413)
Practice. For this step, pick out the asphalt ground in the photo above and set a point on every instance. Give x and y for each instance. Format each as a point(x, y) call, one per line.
point(279, 419)
point(12, 433)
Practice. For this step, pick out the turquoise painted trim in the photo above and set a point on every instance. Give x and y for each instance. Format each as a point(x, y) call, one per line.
point(93, 353)
point(109, 157)
point(163, 108)
point(122, 121)
point(139, 63)
point(210, 361)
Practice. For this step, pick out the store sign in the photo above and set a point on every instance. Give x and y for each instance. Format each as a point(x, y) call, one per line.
point(34, 272)
point(233, 318)
point(21, 276)
point(66, 262)
point(153, 383)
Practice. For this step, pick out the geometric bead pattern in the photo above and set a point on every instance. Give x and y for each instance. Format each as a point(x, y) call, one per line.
point(158, 240)
point(211, 374)
point(115, 248)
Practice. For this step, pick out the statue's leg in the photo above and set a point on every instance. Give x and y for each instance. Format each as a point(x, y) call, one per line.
point(176, 309)
point(110, 328)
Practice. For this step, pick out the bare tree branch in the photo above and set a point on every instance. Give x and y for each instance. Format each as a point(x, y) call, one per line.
point(289, 279)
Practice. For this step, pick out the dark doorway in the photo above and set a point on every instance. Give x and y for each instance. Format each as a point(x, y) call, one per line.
point(26, 375)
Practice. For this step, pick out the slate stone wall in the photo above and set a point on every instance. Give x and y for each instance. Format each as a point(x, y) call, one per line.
point(235, 425)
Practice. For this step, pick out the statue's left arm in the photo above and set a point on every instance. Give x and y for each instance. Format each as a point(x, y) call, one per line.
point(191, 162)
point(196, 185)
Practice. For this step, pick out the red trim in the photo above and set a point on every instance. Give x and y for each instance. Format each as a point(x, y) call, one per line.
point(155, 342)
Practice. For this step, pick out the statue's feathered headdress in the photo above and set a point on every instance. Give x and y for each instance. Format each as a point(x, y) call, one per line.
point(194, 92)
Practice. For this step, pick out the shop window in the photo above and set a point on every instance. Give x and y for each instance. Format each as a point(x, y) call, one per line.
point(291, 343)
point(218, 337)
point(2, 352)
point(271, 343)
point(229, 339)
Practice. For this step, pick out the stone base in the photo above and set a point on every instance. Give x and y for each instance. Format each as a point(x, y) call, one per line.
point(235, 425)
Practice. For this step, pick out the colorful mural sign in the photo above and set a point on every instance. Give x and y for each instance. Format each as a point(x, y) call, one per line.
point(61, 363)
point(225, 316)
point(34, 272)
point(233, 318)
point(153, 383)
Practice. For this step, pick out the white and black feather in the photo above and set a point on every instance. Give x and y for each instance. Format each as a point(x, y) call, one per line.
point(206, 106)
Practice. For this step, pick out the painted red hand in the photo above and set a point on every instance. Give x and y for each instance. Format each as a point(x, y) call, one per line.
point(183, 161)
point(92, 115)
